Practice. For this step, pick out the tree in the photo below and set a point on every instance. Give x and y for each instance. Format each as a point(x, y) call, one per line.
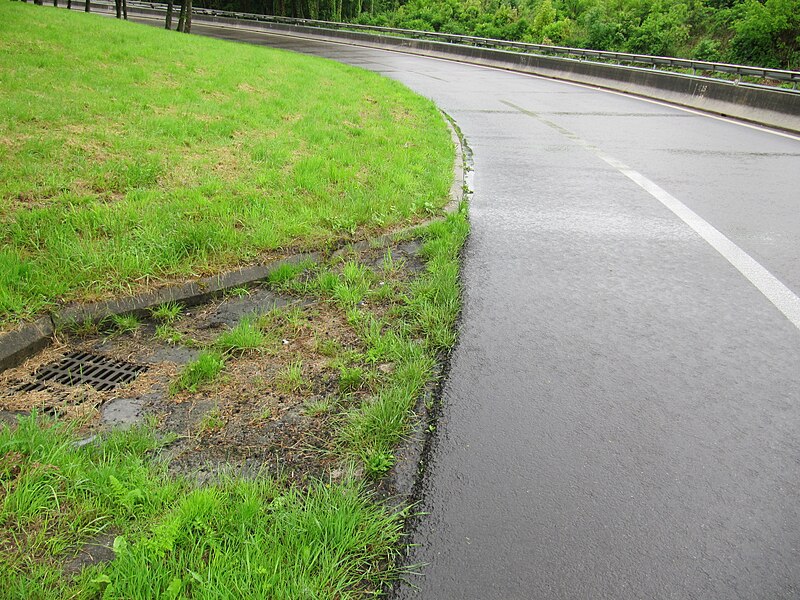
point(767, 34)
point(543, 16)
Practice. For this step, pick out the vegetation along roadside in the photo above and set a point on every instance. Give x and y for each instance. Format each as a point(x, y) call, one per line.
point(765, 33)
point(242, 457)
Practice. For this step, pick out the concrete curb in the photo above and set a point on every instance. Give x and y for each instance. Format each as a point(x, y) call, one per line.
point(188, 294)
point(25, 341)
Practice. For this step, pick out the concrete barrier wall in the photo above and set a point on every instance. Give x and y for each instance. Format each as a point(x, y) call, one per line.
point(774, 108)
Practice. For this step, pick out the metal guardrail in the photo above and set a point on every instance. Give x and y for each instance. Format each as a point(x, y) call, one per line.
point(621, 58)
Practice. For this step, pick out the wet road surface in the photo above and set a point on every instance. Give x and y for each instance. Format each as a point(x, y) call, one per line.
point(622, 417)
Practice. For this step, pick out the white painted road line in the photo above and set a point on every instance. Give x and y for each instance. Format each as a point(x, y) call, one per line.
point(784, 299)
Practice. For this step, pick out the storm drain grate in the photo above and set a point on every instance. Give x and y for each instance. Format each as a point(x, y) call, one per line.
point(78, 368)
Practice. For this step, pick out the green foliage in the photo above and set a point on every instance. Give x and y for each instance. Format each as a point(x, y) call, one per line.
point(167, 313)
point(759, 32)
point(767, 34)
point(351, 379)
point(290, 380)
point(211, 421)
point(169, 334)
point(124, 324)
point(287, 271)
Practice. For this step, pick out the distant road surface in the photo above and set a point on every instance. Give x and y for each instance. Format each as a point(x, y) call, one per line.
point(622, 417)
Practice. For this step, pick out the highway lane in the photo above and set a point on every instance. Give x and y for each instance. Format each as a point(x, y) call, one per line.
point(621, 417)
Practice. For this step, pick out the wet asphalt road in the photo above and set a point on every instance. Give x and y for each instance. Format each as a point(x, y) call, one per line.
point(622, 417)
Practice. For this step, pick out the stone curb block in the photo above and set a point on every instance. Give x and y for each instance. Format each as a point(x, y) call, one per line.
point(25, 341)
point(188, 294)
point(22, 343)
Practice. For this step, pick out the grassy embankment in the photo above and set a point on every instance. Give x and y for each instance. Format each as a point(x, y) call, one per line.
point(132, 155)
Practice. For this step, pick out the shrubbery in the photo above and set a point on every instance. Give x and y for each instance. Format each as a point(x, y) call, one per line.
point(760, 32)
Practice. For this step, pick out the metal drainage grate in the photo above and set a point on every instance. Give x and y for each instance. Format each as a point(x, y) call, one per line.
point(81, 367)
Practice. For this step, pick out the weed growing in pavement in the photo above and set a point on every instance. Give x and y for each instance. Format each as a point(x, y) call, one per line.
point(287, 272)
point(167, 313)
point(319, 406)
point(377, 464)
point(351, 379)
point(121, 324)
point(291, 379)
point(84, 328)
point(295, 318)
point(328, 347)
point(247, 336)
point(167, 333)
point(211, 421)
point(237, 292)
point(204, 369)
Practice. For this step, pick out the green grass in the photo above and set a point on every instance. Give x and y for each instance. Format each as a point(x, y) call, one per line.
point(120, 324)
point(204, 369)
point(167, 333)
point(351, 379)
point(291, 378)
point(234, 539)
point(167, 313)
point(177, 156)
point(211, 420)
point(245, 337)
point(410, 338)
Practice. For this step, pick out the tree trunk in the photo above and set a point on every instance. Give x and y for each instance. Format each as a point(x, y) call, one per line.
point(38, 2)
point(55, 3)
point(168, 24)
point(125, 9)
point(88, 7)
point(118, 8)
point(182, 15)
point(187, 25)
point(69, 4)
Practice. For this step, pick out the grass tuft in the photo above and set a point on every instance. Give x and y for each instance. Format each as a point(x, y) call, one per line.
point(172, 539)
point(167, 313)
point(204, 369)
point(245, 337)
